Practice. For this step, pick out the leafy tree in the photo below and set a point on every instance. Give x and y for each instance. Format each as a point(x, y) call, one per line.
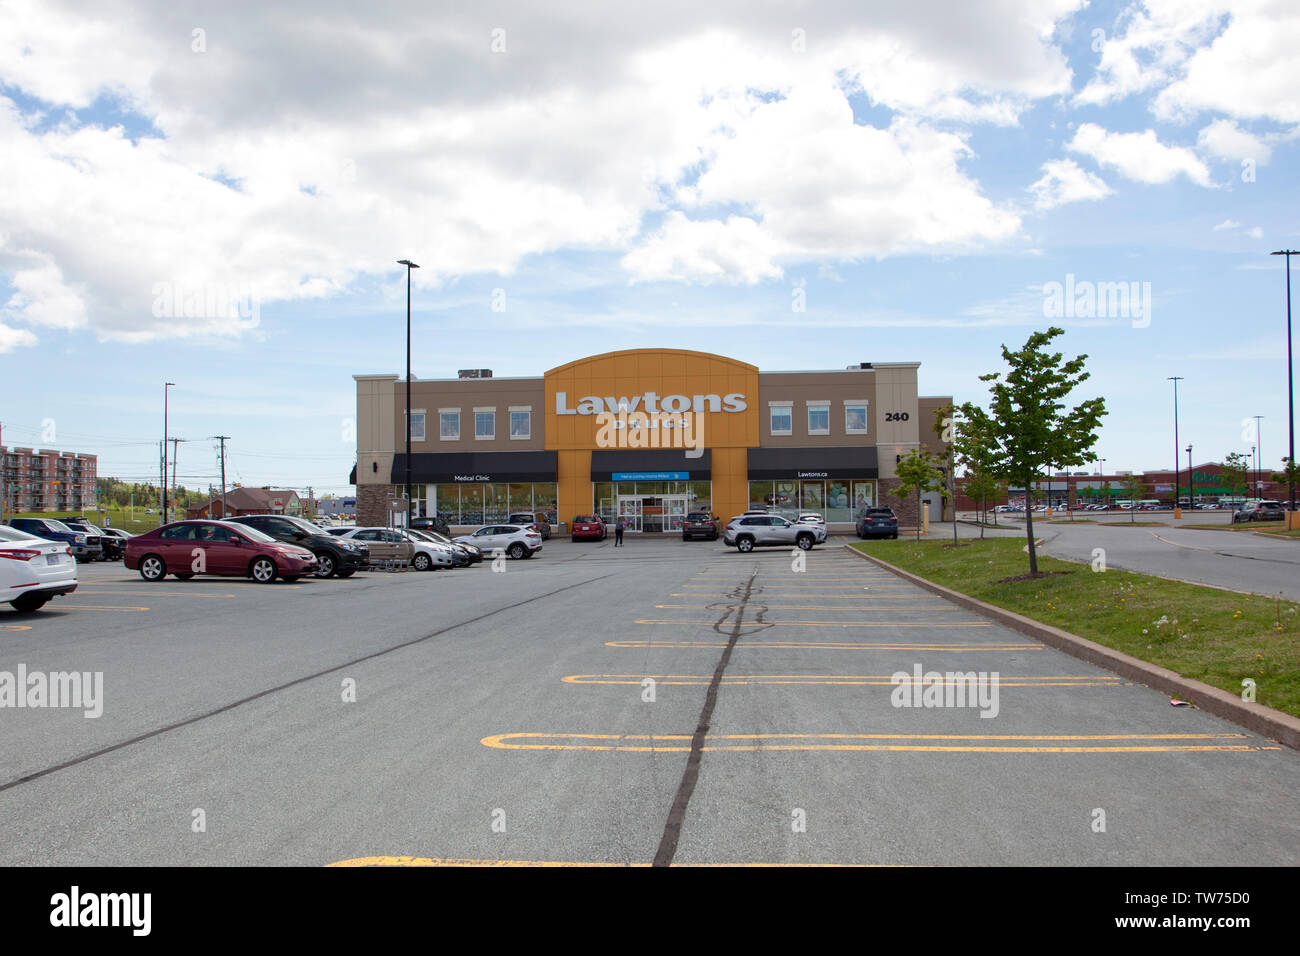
point(1289, 476)
point(1234, 471)
point(975, 448)
point(1031, 425)
point(919, 472)
point(985, 488)
point(1133, 489)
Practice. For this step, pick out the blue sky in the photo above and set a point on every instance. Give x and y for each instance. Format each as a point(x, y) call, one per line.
point(663, 182)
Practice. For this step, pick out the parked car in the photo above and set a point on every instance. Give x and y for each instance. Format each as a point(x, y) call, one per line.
point(471, 554)
point(187, 548)
point(877, 523)
point(810, 517)
point(79, 542)
point(110, 549)
point(1260, 511)
point(385, 544)
point(587, 527)
point(700, 524)
point(443, 548)
point(747, 532)
point(535, 519)
point(333, 556)
point(430, 523)
point(517, 541)
point(34, 569)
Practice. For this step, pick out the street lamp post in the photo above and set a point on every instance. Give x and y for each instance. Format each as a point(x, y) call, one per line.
point(162, 511)
point(1191, 503)
point(409, 266)
point(1259, 455)
point(1290, 390)
point(1176, 379)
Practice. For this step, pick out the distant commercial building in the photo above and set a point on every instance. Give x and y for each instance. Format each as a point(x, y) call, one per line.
point(607, 433)
point(249, 501)
point(1205, 481)
point(48, 480)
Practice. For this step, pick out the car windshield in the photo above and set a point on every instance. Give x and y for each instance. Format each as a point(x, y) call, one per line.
point(252, 534)
point(697, 516)
point(301, 525)
point(54, 525)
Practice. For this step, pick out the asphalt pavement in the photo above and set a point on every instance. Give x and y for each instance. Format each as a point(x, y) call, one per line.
point(507, 717)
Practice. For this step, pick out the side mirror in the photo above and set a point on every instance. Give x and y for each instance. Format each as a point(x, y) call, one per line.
point(236, 540)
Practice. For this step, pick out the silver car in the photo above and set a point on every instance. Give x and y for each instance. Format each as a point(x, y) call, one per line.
point(747, 532)
point(517, 541)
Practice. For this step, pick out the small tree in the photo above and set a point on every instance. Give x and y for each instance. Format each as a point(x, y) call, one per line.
point(1289, 476)
point(985, 488)
point(918, 472)
point(1030, 423)
point(1234, 471)
point(1133, 488)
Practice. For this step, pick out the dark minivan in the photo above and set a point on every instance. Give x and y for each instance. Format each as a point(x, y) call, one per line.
point(336, 556)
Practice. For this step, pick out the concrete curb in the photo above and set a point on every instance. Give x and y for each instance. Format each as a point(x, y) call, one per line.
point(1262, 720)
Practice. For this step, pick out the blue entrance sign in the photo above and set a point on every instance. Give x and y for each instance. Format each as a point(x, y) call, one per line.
point(650, 476)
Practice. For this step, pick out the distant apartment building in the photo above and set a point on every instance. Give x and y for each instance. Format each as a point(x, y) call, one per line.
point(47, 480)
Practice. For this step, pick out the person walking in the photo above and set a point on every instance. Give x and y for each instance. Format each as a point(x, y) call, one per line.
point(618, 532)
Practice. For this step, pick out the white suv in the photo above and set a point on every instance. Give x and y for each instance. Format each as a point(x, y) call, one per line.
point(747, 532)
point(517, 541)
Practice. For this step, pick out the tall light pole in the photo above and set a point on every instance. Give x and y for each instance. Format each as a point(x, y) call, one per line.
point(1259, 453)
point(1176, 379)
point(1190, 481)
point(409, 266)
point(1290, 391)
point(162, 511)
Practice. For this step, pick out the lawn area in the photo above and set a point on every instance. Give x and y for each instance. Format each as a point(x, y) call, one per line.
point(1214, 636)
point(120, 517)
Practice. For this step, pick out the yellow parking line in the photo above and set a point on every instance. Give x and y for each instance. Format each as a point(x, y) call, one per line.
point(449, 861)
point(690, 680)
point(99, 607)
point(833, 623)
point(681, 743)
point(937, 606)
point(834, 645)
point(15, 627)
point(161, 593)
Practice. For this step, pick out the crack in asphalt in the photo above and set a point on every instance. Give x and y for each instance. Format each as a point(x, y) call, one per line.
point(668, 841)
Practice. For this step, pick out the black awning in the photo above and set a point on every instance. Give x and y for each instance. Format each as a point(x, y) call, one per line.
point(779, 464)
point(649, 464)
point(477, 466)
point(352, 476)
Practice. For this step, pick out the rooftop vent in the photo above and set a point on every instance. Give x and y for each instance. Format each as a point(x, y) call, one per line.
point(475, 373)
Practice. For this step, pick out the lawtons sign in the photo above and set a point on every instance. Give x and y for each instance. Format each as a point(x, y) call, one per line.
point(649, 420)
point(651, 403)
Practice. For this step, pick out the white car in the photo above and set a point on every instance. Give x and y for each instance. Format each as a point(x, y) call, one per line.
point(517, 541)
point(809, 517)
point(425, 555)
point(33, 570)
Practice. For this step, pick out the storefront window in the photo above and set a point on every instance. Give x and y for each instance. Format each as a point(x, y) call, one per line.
point(544, 501)
point(605, 500)
point(864, 495)
point(759, 494)
point(812, 496)
point(448, 503)
point(471, 504)
point(701, 496)
point(521, 498)
point(838, 504)
point(496, 505)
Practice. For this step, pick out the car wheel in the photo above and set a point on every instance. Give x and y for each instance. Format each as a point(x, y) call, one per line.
point(184, 576)
point(152, 568)
point(29, 602)
point(262, 571)
point(326, 561)
point(421, 562)
point(745, 545)
point(805, 542)
point(516, 550)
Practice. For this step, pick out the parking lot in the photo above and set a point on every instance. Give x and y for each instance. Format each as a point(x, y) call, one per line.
point(506, 717)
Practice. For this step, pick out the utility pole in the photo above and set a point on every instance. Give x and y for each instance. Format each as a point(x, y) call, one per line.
point(175, 446)
point(224, 439)
point(1178, 512)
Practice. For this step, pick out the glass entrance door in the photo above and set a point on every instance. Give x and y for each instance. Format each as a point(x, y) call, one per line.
point(629, 509)
point(674, 512)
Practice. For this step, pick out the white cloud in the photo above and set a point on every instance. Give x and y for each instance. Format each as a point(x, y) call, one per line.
point(1227, 224)
point(1139, 156)
point(1255, 232)
point(1224, 139)
point(358, 135)
point(11, 338)
point(1064, 181)
point(737, 250)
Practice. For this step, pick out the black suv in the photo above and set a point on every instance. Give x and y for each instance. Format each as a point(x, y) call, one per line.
point(431, 523)
point(877, 523)
point(341, 556)
point(110, 547)
point(700, 524)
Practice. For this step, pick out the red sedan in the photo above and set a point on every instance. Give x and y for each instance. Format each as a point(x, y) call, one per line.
point(588, 527)
point(187, 548)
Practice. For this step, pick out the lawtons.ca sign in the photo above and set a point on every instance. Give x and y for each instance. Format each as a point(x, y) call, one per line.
point(649, 420)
